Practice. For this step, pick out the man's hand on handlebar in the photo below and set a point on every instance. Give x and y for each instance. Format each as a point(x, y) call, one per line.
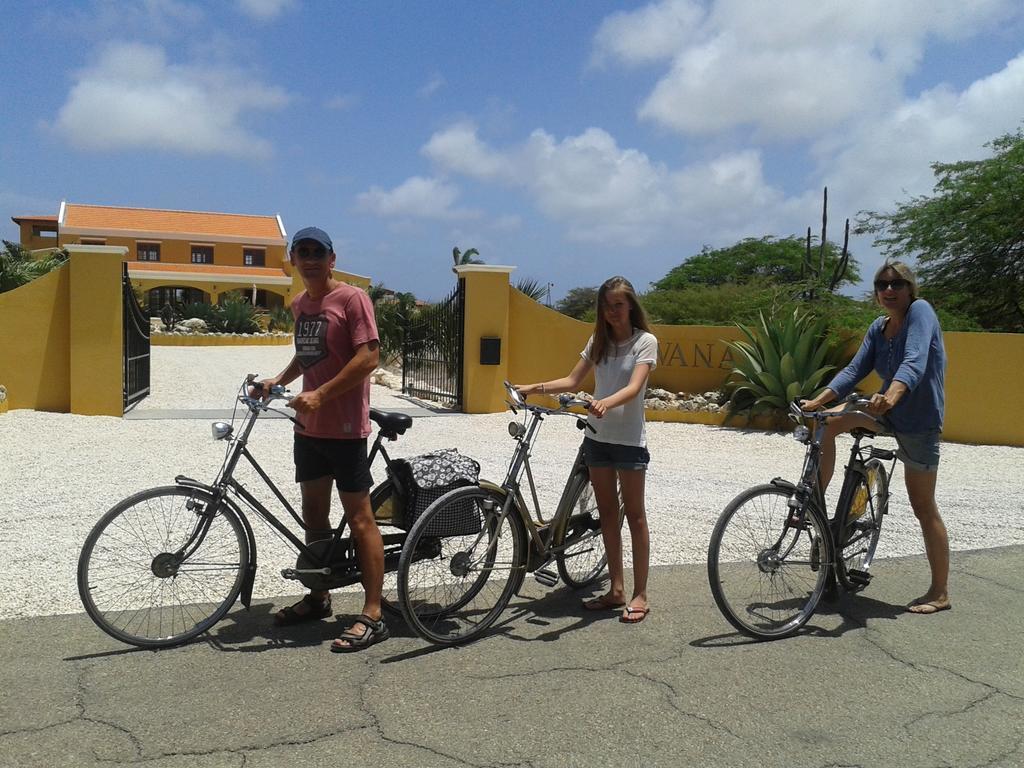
point(307, 402)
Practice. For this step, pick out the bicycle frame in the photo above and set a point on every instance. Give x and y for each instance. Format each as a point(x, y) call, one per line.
point(226, 490)
point(808, 495)
point(537, 529)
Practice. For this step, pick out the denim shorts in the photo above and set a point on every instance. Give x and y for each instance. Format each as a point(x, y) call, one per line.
point(344, 460)
point(919, 450)
point(598, 454)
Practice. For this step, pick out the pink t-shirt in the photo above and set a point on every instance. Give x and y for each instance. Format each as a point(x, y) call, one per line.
point(327, 333)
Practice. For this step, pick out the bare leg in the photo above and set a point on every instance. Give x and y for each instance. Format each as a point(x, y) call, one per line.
point(607, 497)
point(369, 552)
point(921, 490)
point(316, 514)
point(837, 426)
point(632, 482)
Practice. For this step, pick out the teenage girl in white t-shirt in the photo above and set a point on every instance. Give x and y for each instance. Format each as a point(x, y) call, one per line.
point(622, 352)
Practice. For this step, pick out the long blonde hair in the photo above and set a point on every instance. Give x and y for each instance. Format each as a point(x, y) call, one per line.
point(637, 316)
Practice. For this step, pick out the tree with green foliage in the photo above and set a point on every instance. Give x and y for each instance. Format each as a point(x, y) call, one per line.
point(393, 312)
point(580, 303)
point(532, 288)
point(968, 237)
point(767, 259)
point(18, 266)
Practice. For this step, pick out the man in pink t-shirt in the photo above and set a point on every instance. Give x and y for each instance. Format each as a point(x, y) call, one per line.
point(336, 350)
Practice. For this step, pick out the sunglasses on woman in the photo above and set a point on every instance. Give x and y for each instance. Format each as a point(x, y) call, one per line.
point(897, 285)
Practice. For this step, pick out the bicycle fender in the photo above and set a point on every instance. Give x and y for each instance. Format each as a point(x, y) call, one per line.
point(245, 595)
point(785, 485)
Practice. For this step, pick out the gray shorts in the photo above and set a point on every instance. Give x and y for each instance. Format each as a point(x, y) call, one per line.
point(919, 450)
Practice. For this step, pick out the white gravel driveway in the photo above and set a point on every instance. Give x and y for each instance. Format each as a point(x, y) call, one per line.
point(60, 472)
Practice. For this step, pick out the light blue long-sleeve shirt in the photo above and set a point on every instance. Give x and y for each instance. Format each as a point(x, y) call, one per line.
point(915, 356)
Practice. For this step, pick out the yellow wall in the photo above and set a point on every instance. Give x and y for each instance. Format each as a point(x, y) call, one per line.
point(983, 397)
point(486, 315)
point(32, 242)
point(35, 343)
point(97, 335)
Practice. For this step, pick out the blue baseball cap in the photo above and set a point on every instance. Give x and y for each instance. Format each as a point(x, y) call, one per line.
point(313, 233)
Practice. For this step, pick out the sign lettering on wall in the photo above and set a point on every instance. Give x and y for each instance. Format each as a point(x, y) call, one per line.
point(694, 355)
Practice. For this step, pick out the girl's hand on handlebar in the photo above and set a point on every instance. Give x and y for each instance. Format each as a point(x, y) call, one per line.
point(598, 408)
point(526, 389)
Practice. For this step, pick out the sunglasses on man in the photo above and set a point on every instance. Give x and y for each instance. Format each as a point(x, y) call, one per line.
point(310, 252)
point(897, 285)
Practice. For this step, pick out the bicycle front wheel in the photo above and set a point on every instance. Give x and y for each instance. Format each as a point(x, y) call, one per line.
point(162, 566)
point(864, 508)
point(455, 578)
point(583, 558)
point(767, 577)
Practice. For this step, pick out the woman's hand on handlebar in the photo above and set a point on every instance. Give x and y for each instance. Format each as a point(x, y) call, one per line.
point(598, 408)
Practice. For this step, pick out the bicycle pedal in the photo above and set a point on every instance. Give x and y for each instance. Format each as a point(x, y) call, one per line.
point(546, 576)
point(861, 578)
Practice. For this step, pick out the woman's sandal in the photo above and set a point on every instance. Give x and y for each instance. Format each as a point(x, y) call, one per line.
point(603, 603)
point(318, 609)
point(373, 632)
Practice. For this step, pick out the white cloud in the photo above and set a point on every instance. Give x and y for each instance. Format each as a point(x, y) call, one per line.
point(341, 102)
point(652, 33)
point(106, 19)
point(889, 159)
point(428, 89)
point(133, 98)
point(603, 193)
point(789, 70)
point(265, 10)
point(416, 197)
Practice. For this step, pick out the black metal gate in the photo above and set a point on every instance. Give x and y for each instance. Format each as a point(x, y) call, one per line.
point(432, 350)
point(136, 345)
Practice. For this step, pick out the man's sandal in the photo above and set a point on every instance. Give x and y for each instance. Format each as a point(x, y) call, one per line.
point(351, 640)
point(318, 609)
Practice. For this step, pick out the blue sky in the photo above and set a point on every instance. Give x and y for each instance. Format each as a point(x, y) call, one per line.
point(573, 141)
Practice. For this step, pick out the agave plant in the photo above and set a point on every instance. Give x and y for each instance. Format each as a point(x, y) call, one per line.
point(783, 359)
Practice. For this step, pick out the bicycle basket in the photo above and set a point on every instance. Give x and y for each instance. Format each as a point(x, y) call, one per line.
point(425, 478)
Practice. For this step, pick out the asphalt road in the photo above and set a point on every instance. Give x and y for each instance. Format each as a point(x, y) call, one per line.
point(865, 684)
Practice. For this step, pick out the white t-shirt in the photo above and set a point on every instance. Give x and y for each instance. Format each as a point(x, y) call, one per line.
point(624, 424)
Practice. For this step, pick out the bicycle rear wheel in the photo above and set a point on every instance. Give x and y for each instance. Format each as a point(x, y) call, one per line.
point(584, 558)
point(767, 577)
point(453, 584)
point(865, 506)
point(162, 566)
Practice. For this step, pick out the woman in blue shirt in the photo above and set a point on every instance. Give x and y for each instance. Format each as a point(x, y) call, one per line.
point(905, 348)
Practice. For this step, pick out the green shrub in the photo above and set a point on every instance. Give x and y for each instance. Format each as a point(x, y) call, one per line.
point(18, 267)
point(281, 319)
point(233, 314)
point(714, 305)
point(784, 358)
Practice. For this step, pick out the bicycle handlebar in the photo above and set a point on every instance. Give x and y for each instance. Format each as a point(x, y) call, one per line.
point(852, 402)
point(565, 401)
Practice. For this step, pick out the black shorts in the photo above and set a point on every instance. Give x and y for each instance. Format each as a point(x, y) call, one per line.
point(344, 460)
point(598, 454)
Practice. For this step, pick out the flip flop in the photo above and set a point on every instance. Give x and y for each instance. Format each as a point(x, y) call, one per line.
point(634, 615)
point(927, 608)
point(602, 603)
point(374, 631)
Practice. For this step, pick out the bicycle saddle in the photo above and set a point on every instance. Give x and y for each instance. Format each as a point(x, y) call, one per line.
point(389, 421)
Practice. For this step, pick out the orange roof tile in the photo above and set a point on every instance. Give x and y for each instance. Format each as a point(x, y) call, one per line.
point(109, 218)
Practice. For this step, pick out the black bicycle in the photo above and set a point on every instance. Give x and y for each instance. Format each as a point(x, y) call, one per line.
point(774, 552)
point(164, 565)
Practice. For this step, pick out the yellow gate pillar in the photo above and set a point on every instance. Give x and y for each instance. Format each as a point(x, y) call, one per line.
point(95, 314)
point(485, 341)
